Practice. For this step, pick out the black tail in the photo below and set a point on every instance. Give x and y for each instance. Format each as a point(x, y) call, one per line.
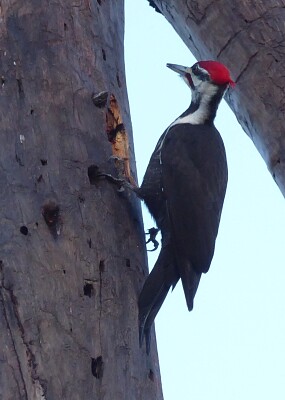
point(154, 291)
point(190, 281)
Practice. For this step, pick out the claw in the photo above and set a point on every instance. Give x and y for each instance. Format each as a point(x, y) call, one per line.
point(152, 232)
point(118, 181)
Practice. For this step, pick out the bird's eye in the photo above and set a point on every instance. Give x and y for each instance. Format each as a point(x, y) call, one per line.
point(195, 68)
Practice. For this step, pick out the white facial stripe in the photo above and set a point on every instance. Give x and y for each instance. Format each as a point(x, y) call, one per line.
point(206, 91)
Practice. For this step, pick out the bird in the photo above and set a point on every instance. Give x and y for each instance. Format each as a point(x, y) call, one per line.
point(184, 188)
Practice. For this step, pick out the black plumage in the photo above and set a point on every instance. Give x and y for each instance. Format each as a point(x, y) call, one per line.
point(184, 188)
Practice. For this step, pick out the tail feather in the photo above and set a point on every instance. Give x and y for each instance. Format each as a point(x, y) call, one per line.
point(153, 294)
point(190, 281)
point(148, 313)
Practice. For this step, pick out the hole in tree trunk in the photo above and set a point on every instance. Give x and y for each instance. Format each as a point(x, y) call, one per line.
point(97, 366)
point(24, 230)
point(93, 174)
point(51, 214)
point(88, 289)
point(151, 375)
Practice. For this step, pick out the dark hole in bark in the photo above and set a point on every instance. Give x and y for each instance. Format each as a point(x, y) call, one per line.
point(119, 81)
point(50, 213)
point(2, 81)
point(40, 178)
point(89, 241)
point(102, 266)
point(97, 366)
point(65, 26)
point(64, 271)
point(99, 2)
point(151, 375)
point(88, 289)
point(24, 230)
point(93, 174)
point(43, 161)
point(32, 111)
point(104, 54)
point(113, 132)
point(19, 161)
point(128, 263)
point(100, 99)
point(20, 87)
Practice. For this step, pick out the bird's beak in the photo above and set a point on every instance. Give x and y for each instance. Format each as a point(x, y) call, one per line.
point(178, 68)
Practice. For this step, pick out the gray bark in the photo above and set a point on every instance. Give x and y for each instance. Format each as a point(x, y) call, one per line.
point(248, 37)
point(71, 247)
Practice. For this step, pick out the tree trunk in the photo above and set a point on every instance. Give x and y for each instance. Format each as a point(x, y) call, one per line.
point(248, 37)
point(71, 247)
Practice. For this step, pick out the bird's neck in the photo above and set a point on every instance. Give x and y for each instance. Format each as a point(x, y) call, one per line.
point(203, 107)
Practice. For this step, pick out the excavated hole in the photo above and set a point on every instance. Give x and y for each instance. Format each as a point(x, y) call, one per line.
point(151, 375)
point(93, 174)
point(88, 289)
point(118, 137)
point(97, 367)
point(51, 214)
point(24, 230)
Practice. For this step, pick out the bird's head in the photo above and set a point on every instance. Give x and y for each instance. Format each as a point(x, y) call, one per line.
point(208, 81)
point(204, 76)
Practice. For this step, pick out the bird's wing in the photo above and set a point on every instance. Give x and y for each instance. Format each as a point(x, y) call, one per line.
point(194, 177)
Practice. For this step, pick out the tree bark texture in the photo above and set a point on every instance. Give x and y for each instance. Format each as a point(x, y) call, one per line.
point(248, 37)
point(71, 247)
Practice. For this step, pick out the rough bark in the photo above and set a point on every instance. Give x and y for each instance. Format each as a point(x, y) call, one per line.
point(249, 38)
point(71, 247)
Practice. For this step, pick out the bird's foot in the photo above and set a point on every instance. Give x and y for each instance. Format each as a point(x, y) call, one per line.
point(117, 181)
point(121, 183)
point(152, 232)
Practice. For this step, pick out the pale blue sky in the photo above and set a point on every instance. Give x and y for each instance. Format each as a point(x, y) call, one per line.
point(232, 345)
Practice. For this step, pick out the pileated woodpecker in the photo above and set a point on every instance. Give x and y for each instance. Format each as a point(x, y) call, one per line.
point(184, 188)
